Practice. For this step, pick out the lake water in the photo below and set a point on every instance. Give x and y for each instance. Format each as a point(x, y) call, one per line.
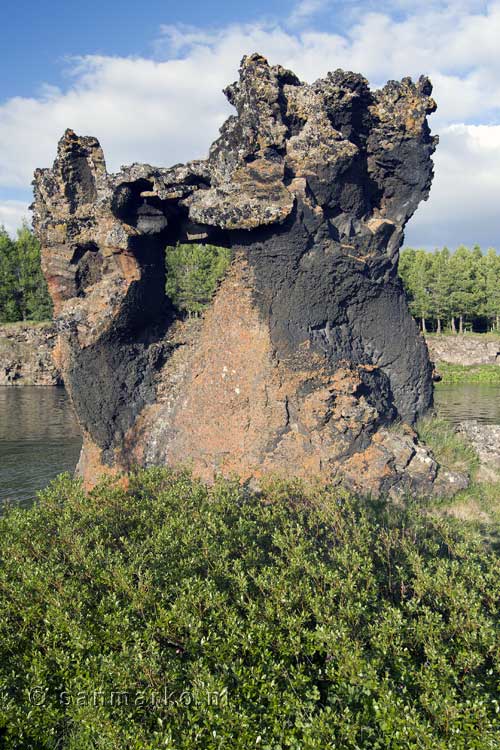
point(39, 439)
point(458, 401)
point(39, 436)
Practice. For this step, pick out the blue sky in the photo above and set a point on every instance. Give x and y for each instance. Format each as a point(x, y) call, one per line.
point(42, 35)
point(145, 78)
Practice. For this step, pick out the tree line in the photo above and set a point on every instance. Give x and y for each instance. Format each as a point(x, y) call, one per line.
point(23, 289)
point(192, 274)
point(455, 290)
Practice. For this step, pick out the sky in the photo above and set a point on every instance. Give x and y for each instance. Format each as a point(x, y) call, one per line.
point(146, 79)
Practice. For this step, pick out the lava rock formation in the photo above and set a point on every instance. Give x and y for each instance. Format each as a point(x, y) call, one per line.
point(307, 354)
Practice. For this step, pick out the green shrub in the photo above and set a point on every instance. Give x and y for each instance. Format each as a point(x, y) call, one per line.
point(193, 272)
point(231, 620)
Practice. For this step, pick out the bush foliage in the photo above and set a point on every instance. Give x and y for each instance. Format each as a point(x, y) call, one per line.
point(170, 615)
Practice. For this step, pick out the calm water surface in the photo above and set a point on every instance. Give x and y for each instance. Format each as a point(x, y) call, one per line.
point(39, 436)
point(458, 401)
point(39, 439)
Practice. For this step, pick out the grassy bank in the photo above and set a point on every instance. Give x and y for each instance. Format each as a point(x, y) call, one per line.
point(488, 374)
point(450, 449)
point(479, 506)
point(26, 324)
point(172, 615)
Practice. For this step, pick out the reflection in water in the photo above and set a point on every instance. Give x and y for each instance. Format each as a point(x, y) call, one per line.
point(39, 439)
point(458, 401)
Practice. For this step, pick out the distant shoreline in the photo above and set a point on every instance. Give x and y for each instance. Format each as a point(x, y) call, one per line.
point(26, 354)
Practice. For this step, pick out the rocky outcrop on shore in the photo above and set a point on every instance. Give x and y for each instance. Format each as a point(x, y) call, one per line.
point(468, 349)
point(485, 439)
point(308, 352)
point(26, 354)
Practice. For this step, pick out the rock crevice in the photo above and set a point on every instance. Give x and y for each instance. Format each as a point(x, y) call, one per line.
point(308, 351)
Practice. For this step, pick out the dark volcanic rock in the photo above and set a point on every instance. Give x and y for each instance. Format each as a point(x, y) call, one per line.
point(308, 351)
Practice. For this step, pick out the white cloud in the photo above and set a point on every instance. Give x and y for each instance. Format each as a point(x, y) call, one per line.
point(306, 9)
point(464, 205)
point(141, 110)
point(168, 110)
point(12, 214)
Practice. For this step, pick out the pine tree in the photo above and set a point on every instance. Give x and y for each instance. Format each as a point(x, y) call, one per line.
point(464, 285)
point(490, 307)
point(193, 272)
point(440, 286)
point(462, 298)
point(23, 290)
point(406, 263)
point(35, 301)
point(419, 280)
point(9, 288)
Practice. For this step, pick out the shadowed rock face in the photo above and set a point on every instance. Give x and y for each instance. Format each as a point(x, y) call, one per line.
point(308, 352)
